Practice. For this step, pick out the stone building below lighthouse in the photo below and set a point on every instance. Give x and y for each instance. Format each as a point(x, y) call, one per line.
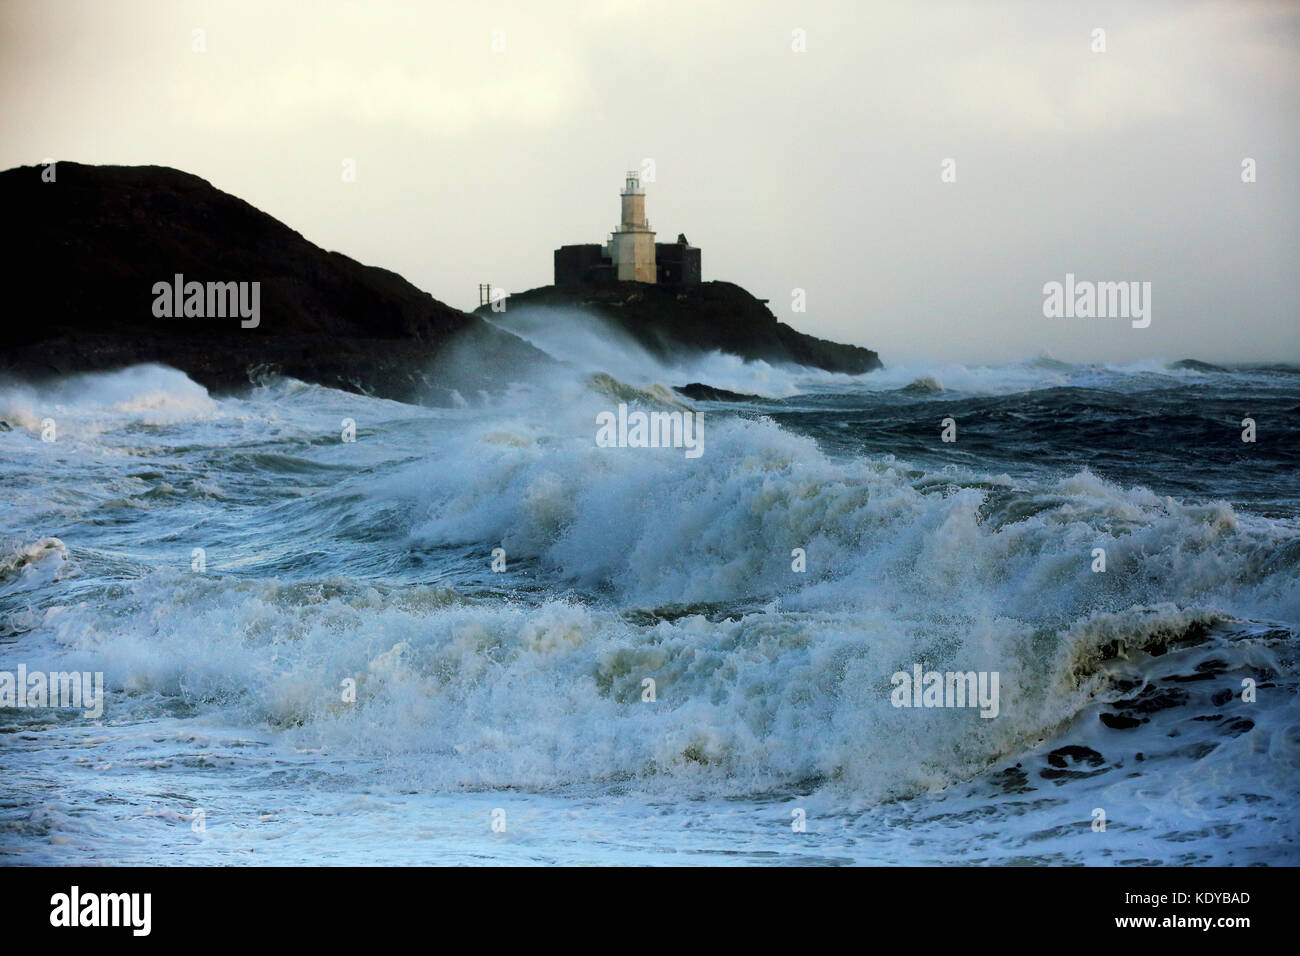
point(631, 254)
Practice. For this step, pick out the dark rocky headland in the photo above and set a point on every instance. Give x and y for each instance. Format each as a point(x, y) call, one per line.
point(91, 245)
point(89, 248)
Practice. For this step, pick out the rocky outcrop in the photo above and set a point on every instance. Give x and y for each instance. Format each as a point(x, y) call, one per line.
point(699, 392)
point(710, 316)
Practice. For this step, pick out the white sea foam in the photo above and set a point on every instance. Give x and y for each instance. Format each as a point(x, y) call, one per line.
point(768, 682)
point(581, 342)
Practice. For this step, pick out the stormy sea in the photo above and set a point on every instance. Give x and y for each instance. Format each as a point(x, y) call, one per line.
point(340, 629)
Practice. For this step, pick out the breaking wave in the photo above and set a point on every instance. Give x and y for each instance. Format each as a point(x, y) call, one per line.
point(369, 563)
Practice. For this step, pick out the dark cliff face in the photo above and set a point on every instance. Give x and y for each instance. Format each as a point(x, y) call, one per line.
point(89, 247)
point(699, 318)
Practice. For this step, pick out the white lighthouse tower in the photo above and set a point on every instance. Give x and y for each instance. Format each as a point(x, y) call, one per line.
point(631, 247)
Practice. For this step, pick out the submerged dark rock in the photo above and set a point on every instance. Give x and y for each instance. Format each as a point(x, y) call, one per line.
point(89, 247)
point(712, 316)
point(1062, 756)
point(1120, 721)
point(698, 391)
point(1196, 366)
point(1064, 762)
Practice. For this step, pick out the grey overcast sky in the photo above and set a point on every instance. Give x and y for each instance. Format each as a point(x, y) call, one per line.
point(818, 170)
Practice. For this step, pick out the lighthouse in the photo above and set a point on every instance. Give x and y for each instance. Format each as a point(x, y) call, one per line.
point(631, 246)
point(631, 253)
